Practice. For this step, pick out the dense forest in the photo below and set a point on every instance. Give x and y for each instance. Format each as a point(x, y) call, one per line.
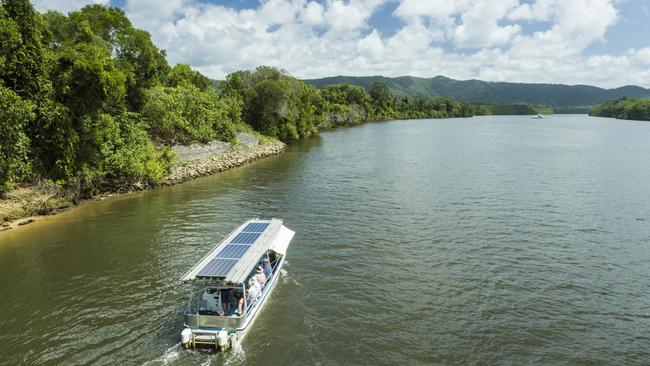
point(89, 103)
point(511, 109)
point(567, 98)
point(624, 108)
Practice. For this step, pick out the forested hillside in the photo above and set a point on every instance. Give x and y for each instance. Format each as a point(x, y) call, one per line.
point(638, 109)
point(90, 104)
point(476, 91)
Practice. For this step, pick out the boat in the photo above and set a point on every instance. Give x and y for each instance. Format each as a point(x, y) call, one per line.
point(215, 316)
point(539, 116)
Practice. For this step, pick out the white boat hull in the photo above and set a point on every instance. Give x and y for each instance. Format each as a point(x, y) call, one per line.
point(198, 337)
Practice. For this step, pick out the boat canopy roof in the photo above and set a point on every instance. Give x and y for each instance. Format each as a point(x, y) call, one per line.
point(233, 259)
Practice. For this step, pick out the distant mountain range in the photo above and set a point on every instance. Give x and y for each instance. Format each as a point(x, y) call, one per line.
point(558, 96)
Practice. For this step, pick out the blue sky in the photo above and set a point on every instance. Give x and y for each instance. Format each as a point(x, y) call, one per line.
point(597, 42)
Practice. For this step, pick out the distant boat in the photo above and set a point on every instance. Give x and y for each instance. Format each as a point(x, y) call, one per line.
point(539, 116)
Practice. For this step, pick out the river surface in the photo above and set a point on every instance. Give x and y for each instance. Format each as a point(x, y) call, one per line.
point(481, 241)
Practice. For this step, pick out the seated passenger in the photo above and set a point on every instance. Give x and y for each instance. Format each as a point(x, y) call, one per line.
point(267, 267)
point(273, 256)
point(240, 302)
point(260, 276)
point(226, 299)
point(253, 291)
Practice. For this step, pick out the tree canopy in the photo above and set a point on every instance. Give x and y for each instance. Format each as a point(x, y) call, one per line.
point(624, 108)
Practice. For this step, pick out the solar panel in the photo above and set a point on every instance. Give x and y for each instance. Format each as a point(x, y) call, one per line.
point(255, 227)
point(233, 251)
point(230, 255)
point(217, 267)
point(245, 238)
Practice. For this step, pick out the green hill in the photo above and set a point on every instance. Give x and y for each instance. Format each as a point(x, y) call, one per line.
point(558, 96)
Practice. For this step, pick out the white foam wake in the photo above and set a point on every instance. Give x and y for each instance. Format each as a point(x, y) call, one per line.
point(171, 354)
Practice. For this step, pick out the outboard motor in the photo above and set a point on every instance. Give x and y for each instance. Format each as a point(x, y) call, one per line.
point(222, 340)
point(186, 337)
point(233, 340)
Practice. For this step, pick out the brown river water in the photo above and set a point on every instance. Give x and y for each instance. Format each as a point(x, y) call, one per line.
point(480, 241)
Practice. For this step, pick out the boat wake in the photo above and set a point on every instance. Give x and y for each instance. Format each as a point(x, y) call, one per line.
point(287, 279)
point(236, 355)
point(171, 354)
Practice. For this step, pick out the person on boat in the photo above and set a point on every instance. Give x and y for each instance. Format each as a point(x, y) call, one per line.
point(266, 263)
point(260, 276)
point(253, 290)
point(273, 257)
point(240, 302)
point(226, 300)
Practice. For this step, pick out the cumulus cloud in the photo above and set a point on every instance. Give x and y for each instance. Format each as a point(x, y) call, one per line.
point(466, 23)
point(485, 39)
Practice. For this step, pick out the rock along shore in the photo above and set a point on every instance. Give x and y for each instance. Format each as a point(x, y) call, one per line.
point(233, 156)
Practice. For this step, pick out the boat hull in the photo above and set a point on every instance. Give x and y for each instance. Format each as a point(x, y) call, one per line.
point(206, 331)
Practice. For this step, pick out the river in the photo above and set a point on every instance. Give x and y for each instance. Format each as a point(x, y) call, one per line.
point(488, 240)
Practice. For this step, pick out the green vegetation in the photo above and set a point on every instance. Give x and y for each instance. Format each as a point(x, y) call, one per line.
point(275, 104)
point(89, 104)
point(185, 113)
point(624, 108)
point(511, 109)
point(350, 105)
point(15, 115)
point(282, 106)
point(569, 98)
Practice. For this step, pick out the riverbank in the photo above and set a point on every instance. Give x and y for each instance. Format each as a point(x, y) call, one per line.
point(630, 109)
point(24, 205)
point(208, 162)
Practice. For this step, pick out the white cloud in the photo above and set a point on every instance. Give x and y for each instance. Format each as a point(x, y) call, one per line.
point(480, 28)
point(540, 10)
point(64, 6)
point(343, 16)
point(440, 11)
point(153, 14)
point(466, 23)
point(641, 55)
point(312, 14)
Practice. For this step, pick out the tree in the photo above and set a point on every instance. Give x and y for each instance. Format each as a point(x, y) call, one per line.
point(184, 114)
point(23, 56)
point(143, 64)
point(55, 141)
point(274, 103)
point(265, 107)
point(380, 94)
point(183, 74)
point(15, 114)
point(85, 78)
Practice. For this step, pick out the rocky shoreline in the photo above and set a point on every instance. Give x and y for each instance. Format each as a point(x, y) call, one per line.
point(27, 204)
point(235, 156)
